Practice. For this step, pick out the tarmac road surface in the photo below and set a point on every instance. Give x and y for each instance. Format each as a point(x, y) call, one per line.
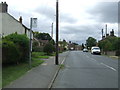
point(84, 70)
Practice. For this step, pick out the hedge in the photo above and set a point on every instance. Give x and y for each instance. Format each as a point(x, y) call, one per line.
point(22, 44)
point(10, 53)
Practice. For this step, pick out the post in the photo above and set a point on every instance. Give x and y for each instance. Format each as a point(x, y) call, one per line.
point(106, 30)
point(102, 33)
point(30, 44)
point(52, 30)
point(57, 27)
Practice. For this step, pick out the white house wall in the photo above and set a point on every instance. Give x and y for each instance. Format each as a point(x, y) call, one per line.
point(10, 25)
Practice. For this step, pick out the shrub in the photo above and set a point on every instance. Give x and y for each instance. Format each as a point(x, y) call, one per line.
point(22, 43)
point(38, 49)
point(35, 43)
point(49, 49)
point(10, 53)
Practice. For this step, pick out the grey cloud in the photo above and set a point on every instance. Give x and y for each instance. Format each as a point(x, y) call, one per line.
point(64, 17)
point(50, 13)
point(106, 12)
point(80, 33)
point(47, 11)
point(86, 29)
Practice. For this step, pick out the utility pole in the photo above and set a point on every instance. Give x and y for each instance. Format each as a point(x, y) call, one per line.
point(30, 44)
point(57, 30)
point(52, 30)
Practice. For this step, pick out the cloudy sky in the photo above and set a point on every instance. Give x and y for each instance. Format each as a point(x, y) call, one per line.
point(79, 19)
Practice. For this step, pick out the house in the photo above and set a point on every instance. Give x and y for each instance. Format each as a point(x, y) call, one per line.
point(9, 25)
point(43, 42)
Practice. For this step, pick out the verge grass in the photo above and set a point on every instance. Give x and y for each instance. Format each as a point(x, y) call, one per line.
point(13, 72)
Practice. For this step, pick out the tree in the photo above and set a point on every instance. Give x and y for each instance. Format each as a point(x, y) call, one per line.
point(91, 42)
point(43, 36)
point(35, 34)
point(109, 44)
point(49, 48)
point(83, 46)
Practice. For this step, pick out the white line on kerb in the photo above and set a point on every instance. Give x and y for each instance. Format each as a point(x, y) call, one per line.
point(108, 66)
point(63, 61)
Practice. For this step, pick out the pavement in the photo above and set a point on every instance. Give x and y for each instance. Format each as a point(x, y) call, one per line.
point(41, 76)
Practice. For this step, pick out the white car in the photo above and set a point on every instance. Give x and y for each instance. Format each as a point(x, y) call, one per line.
point(95, 50)
point(85, 50)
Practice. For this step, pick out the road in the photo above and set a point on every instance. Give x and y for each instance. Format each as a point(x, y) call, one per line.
point(84, 70)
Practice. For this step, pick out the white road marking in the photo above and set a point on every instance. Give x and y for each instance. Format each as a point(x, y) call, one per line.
point(63, 61)
point(108, 66)
point(103, 64)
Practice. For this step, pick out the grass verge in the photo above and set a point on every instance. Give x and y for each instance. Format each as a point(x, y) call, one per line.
point(13, 72)
point(113, 57)
point(62, 66)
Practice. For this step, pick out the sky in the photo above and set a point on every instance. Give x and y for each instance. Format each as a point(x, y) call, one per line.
point(78, 19)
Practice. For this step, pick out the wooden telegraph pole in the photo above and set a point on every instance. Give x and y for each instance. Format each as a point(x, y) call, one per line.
point(57, 30)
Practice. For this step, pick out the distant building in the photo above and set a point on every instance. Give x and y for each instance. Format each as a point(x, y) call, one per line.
point(109, 35)
point(112, 33)
point(9, 25)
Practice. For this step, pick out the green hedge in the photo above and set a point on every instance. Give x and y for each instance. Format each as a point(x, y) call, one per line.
point(22, 44)
point(10, 53)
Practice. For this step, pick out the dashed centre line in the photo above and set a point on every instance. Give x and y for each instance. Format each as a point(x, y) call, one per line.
point(103, 64)
point(108, 66)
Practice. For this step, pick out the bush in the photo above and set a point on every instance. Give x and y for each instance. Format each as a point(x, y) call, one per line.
point(109, 44)
point(35, 43)
point(22, 43)
point(38, 49)
point(10, 53)
point(49, 49)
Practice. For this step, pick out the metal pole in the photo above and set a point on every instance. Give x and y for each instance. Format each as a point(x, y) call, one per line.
point(57, 27)
point(30, 44)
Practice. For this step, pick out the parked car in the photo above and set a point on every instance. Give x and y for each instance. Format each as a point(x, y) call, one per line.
point(95, 50)
point(85, 50)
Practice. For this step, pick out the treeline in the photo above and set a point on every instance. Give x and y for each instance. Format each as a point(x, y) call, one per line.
point(110, 44)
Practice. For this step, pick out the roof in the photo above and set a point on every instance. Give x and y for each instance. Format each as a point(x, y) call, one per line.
point(43, 41)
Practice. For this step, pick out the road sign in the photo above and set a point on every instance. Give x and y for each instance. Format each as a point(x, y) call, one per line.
point(34, 22)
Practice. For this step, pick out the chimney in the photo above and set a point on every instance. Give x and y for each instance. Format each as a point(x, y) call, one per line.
point(20, 19)
point(112, 32)
point(3, 7)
